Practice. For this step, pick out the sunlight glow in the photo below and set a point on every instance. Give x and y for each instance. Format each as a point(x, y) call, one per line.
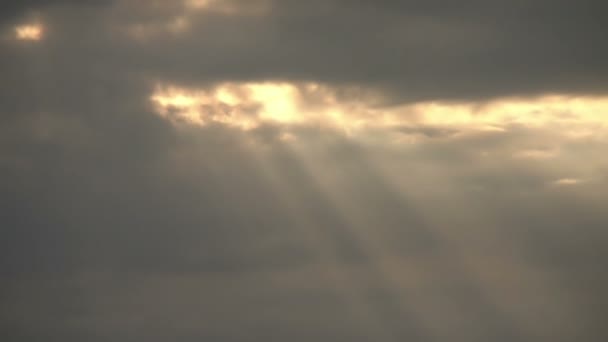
point(567, 181)
point(229, 7)
point(278, 102)
point(536, 154)
point(248, 105)
point(173, 19)
point(244, 106)
point(29, 32)
point(538, 131)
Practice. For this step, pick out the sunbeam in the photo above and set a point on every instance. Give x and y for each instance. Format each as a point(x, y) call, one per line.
point(320, 170)
point(378, 196)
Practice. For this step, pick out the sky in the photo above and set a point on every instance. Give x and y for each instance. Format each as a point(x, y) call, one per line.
point(321, 170)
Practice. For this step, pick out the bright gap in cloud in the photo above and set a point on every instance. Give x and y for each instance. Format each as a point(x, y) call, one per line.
point(249, 105)
point(29, 32)
point(567, 181)
point(229, 7)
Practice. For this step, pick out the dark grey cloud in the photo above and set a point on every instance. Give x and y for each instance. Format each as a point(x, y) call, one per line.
point(413, 49)
point(116, 225)
point(11, 11)
point(418, 50)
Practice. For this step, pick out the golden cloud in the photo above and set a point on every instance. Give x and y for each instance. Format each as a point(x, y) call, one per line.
point(29, 32)
point(247, 105)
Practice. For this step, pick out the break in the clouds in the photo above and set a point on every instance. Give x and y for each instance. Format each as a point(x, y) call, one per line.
point(269, 170)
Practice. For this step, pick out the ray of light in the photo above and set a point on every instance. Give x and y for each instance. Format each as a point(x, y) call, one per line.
point(487, 257)
point(465, 256)
point(404, 280)
point(341, 275)
point(283, 105)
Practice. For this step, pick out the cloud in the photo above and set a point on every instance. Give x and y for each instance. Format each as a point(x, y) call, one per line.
point(288, 170)
point(29, 32)
point(411, 51)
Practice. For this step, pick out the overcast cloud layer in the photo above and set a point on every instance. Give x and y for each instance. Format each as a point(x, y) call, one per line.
point(278, 170)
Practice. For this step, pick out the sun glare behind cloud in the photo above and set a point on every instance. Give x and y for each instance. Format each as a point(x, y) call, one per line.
point(228, 7)
point(248, 105)
point(29, 32)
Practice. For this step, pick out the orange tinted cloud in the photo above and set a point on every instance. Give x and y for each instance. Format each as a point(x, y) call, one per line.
point(29, 32)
